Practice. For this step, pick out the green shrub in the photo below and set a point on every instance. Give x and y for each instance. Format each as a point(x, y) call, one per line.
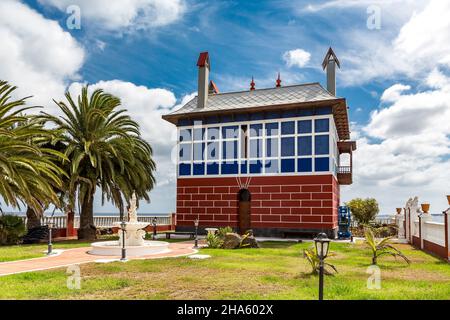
point(215, 240)
point(364, 211)
point(12, 229)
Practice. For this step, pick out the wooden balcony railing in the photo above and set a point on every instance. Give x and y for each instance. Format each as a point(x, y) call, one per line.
point(344, 169)
point(344, 175)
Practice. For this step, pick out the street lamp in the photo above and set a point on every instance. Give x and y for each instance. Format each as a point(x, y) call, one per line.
point(322, 244)
point(50, 244)
point(124, 252)
point(154, 220)
point(196, 221)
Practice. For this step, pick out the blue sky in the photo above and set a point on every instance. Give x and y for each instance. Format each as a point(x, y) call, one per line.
point(394, 76)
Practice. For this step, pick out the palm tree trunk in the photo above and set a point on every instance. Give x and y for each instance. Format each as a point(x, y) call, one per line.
point(374, 259)
point(87, 230)
point(33, 218)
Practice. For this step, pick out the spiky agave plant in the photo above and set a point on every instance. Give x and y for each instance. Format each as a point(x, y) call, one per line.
point(313, 258)
point(382, 247)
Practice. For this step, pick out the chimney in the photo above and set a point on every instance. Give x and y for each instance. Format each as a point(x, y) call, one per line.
point(203, 79)
point(329, 62)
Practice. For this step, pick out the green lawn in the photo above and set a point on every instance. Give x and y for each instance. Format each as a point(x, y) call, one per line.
point(276, 271)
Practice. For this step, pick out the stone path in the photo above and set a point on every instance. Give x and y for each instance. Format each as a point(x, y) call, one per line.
point(79, 256)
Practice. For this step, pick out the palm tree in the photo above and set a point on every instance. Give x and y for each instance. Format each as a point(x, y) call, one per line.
point(106, 152)
point(382, 247)
point(27, 171)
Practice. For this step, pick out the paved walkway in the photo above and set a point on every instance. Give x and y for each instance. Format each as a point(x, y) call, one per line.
point(79, 256)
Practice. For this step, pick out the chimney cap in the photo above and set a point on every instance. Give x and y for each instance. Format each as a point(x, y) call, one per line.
point(203, 59)
point(213, 88)
point(330, 54)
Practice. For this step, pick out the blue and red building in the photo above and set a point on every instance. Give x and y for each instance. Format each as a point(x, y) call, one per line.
point(263, 159)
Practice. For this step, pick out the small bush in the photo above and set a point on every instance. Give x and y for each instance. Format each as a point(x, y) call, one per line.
point(12, 229)
point(215, 240)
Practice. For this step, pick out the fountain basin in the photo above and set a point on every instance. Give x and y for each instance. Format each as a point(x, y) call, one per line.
point(114, 248)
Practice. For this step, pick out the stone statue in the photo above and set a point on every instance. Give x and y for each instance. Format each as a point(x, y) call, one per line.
point(132, 211)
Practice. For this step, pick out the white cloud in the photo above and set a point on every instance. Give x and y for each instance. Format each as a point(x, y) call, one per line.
point(412, 154)
point(393, 93)
point(414, 38)
point(124, 14)
point(296, 57)
point(37, 55)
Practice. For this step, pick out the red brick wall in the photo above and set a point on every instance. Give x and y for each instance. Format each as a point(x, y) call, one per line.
point(294, 202)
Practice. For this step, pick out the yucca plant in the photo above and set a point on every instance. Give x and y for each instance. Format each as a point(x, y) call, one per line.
point(382, 247)
point(313, 258)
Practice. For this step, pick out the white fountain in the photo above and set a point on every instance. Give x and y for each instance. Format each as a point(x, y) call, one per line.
point(134, 238)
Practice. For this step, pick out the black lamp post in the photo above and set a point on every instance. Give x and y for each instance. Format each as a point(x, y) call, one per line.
point(196, 221)
point(50, 244)
point(322, 244)
point(124, 250)
point(154, 227)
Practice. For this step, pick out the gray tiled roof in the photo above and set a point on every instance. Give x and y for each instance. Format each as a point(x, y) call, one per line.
point(259, 98)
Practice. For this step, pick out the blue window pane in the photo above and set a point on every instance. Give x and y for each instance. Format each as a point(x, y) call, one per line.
point(230, 168)
point(272, 115)
point(199, 169)
point(304, 126)
point(226, 118)
point(212, 120)
point(272, 147)
point(241, 117)
point(213, 133)
point(288, 127)
point(271, 166)
point(256, 148)
point(287, 147)
point(212, 168)
point(304, 165)
point(255, 166)
point(199, 151)
point(199, 134)
point(185, 152)
point(321, 144)
point(229, 149)
point(230, 132)
point(184, 122)
point(272, 129)
point(305, 112)
point(322, 164)
point(212, 151)
point(304, 146)
point(323, 110)
point(321, 125)
point(185, 135)
point(244, 167)
point(257, 116)
point(256, 130)
point(184, 169)
point(289, 113)
point(287, 165)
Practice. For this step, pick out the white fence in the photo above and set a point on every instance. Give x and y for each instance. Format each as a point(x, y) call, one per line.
point(60, 222)
point(419, 229)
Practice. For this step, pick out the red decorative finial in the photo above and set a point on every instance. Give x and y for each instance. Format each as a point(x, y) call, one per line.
point(252, 85)
point(278, 81)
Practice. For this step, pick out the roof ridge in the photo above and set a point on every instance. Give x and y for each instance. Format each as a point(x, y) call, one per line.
point(274, 88)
